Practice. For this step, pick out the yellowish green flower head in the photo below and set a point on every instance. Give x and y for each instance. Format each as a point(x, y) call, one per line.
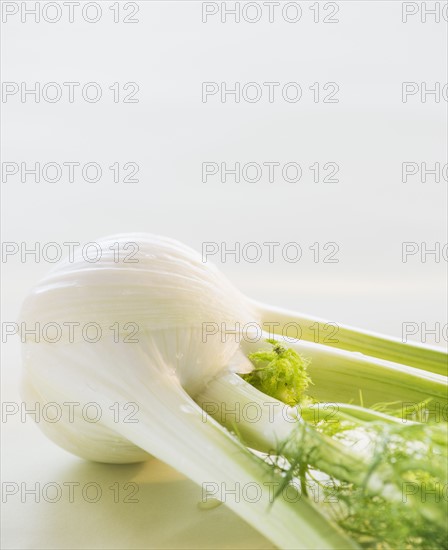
point(280, 373)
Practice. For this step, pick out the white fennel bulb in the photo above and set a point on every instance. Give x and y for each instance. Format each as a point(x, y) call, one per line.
point(151, 355)
point(163, 298)
point(167, 294)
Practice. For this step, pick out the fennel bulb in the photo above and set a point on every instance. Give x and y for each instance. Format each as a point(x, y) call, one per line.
point(173, 374)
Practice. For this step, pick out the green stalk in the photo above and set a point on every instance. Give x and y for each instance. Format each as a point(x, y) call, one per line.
point(267, 425)
point(338, 412)
point(270, 433)
point(348, 338)
point(347, 377)
point(231, 401)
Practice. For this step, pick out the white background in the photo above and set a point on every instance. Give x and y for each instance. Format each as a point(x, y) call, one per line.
point(169, 133)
